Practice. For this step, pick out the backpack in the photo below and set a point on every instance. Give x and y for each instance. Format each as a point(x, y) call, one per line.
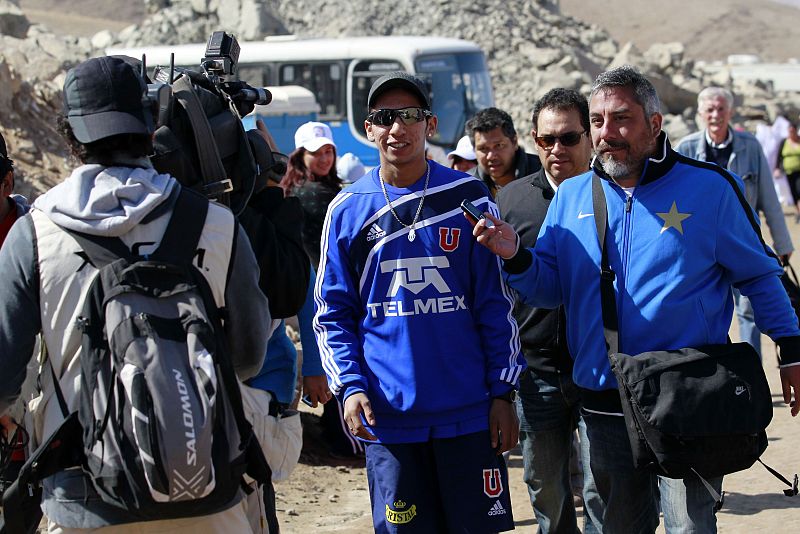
point(160, 424)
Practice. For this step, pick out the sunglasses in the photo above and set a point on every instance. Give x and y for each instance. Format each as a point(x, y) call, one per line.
point(568, 139)
point(409, 116)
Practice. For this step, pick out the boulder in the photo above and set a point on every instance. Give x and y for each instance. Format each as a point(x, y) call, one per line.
point(665, 56)
point(13, 21)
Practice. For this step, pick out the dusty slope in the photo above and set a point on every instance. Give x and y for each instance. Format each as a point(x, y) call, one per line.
point(83, 17)
point(709, 30)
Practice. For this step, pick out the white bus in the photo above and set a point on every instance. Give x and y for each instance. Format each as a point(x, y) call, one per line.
point(339, 72)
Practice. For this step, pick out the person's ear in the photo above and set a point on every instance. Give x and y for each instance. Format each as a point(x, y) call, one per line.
point(655, 122)
point(368, 130)
point(431, 126)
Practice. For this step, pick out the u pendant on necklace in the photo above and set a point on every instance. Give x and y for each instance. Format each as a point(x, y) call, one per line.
point(412, 234)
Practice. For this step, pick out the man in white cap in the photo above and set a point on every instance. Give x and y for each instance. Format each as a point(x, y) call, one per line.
point(463, 157)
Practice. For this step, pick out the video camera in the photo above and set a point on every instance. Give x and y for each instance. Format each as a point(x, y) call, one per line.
point(199, 137)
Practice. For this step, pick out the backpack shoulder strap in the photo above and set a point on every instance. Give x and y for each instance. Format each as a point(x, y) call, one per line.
point(185, 227)
point(178, 243)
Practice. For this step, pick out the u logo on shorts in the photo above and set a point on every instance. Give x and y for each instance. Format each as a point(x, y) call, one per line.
point(492, 483)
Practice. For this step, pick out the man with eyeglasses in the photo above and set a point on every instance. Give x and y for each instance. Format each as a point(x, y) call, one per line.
point(679, 235)
point(415, 330)
point(500, 158)
point(548, 404)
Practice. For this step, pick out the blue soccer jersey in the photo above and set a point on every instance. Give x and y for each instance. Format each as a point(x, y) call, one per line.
point(424, 326)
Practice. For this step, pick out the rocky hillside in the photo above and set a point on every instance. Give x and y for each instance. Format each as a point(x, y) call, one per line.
point(530, 46)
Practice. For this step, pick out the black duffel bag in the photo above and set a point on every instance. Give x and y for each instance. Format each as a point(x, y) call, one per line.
point(689, 412)
point(697, 411)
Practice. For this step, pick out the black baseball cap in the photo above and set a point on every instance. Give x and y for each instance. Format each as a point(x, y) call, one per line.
point(105, 96)
point(399, 80)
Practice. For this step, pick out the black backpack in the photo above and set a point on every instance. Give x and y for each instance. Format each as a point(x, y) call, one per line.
point(160, 426)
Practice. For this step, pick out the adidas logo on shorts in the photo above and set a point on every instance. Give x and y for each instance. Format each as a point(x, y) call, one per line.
point(497, 509)
point(375, 232)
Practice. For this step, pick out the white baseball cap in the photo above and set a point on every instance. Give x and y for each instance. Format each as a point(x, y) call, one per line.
point(349, 168)
point(463, 150)
point(313, 135)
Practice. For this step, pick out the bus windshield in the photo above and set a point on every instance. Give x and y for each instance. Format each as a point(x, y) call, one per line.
point(460, 87)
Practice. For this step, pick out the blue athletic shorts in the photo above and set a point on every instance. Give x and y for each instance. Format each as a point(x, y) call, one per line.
point(443, 485)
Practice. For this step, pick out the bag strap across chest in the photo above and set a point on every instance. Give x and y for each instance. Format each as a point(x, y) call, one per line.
point(178, 244)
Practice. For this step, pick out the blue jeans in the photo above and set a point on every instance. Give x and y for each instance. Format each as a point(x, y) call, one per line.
point(748, 331)
point(548, 409)
point(620, 499)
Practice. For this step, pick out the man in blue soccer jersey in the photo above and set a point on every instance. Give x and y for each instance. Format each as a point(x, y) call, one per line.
point(415, 330)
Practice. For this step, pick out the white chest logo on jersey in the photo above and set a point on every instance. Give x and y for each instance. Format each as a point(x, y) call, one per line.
point(375, 232)
point(415, 274)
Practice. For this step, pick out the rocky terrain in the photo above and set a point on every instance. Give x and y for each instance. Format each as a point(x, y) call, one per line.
point(531, 46)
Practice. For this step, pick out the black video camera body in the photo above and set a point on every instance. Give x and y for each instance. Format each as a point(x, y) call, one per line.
point(199, 137)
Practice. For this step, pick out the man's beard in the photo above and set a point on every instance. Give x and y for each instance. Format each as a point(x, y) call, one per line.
point(616, 169)
point(633, 162)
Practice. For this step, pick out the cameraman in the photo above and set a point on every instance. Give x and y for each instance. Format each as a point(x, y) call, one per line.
point(115, 192)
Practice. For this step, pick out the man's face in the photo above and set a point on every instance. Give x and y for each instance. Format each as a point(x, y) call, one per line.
point(495, 152)
point(559, 160)
point(623, 137)
point(400, 143)
point(716, 113)
point(7, 184)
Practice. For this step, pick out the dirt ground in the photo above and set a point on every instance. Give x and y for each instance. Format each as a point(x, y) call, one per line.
point(324, 495)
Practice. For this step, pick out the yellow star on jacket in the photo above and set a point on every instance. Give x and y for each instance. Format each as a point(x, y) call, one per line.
point(673, 219)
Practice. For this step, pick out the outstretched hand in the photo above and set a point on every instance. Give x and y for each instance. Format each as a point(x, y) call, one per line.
point(355, 405)
point(501, 239)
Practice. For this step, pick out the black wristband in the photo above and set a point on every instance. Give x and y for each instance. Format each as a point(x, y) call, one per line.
point(520, 263)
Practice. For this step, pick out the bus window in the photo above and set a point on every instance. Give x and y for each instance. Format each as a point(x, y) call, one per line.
point(460, 87)
point(325, 80)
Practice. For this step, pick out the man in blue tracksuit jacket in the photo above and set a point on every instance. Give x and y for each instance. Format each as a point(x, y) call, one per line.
point(416, 332)
point(680, 235)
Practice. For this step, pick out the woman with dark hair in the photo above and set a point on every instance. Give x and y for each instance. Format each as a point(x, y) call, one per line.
point(311, 177)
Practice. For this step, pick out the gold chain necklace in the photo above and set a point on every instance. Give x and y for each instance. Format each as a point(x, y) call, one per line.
point(412, 234)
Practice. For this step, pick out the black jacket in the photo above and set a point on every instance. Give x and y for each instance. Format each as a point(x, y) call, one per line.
point(524, 165)
point(523, 203)
point(274, 225)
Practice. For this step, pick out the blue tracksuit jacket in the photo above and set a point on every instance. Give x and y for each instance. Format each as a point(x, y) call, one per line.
point(424, 328)
point(677, 245)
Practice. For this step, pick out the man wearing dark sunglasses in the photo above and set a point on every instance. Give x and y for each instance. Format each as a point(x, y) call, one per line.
point(500, 158)
point(548, 404)
point(415, 330)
